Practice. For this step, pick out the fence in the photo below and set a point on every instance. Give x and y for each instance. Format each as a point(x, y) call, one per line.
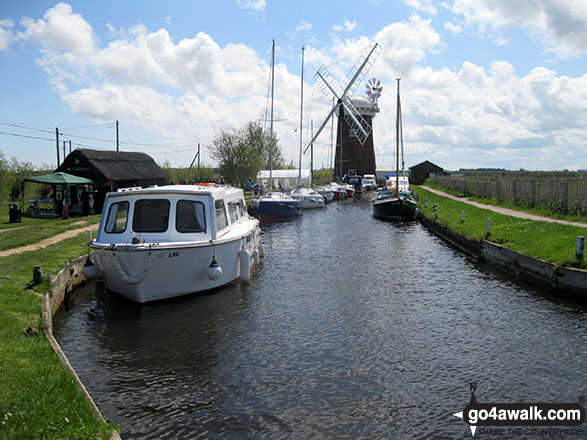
point(567, 196)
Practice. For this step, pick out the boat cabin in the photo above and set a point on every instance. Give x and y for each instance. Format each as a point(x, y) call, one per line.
point(174, 213)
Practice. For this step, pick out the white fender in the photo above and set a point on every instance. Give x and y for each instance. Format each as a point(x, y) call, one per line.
point(214, 271)
point(245, 265)
point(261, 249)
point(91, 271)
point(256, 256)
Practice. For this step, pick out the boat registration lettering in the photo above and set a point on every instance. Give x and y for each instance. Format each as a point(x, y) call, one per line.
point(173, 254)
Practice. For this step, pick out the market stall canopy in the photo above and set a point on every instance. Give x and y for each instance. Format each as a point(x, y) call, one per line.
point(59, 178)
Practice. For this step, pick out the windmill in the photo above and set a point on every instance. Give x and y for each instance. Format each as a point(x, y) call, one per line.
point(354, 124)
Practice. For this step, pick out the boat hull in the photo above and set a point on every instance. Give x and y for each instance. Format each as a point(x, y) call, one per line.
point(147, 273)
point(274, 209)
point(395, 209)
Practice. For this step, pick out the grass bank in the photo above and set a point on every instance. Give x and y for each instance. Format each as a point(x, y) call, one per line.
point(537, 210)
point(38, 397)
point(551, 242)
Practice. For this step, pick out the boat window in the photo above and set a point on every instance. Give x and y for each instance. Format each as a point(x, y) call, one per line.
point(241, 208)
point(233, 211)
point(151, 215)
point(190, 216)
point(220, 215)
point(117, 218)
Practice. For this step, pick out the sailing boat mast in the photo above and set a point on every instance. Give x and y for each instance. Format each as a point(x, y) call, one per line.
point(271, 118)
point(397, 141)
point(301, 117)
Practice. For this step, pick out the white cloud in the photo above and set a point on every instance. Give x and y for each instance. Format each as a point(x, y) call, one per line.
point(561, 25)
point(189, 89)
point(425, 6)
point(253, 5)
point(454, 29)
point(60, 30)
point(347, 26)
point(6, 35)
point(405, 44)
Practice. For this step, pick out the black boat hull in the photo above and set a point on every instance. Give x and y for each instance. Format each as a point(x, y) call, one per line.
point(395, 209)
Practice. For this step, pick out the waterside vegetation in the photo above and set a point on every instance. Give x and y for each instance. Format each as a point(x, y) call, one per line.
point(39, 398)
point(551, 242)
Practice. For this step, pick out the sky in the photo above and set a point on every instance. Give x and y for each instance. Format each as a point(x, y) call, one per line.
point(484, 83)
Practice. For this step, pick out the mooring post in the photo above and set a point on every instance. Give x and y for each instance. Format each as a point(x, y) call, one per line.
point(89, 232)
point(462, 216)
point(488, 225)
point(580, 247)
point(426, 203)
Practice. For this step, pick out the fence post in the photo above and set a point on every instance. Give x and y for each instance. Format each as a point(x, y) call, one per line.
point(580, 247)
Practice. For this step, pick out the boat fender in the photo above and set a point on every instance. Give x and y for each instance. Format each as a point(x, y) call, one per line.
point(256, 256)
point(245, 264)
point(90, 270)
point(214, 270)
point(261, 249)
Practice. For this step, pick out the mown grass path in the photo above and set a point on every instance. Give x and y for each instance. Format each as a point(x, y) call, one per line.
point(505, 211)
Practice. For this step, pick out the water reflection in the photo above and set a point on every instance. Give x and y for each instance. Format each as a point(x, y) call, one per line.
point(352, 328)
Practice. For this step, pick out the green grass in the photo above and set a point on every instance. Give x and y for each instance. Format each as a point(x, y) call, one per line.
point(33, 230)
point(38, 397)
point(537, 210)
point(548, 241)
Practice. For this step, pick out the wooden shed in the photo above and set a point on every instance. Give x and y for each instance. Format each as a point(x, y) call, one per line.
point(420, 172)
point(111, 170)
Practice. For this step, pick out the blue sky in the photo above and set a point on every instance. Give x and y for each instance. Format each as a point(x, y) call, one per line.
point(485, 83)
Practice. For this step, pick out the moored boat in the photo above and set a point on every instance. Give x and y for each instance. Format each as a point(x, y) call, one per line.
point(395, 202)
point(164, 242)
point(277, 204)
point(309, 198)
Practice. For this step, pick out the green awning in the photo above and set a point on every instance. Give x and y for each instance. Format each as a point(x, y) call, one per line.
point(59, 178)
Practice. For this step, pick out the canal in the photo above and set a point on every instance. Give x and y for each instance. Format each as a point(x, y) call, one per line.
point(352, 328)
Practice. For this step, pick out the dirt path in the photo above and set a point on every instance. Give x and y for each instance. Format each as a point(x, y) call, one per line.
point(48, 241)
point(505, 211)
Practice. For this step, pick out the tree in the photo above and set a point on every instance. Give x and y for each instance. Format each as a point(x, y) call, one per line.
point(241, 154)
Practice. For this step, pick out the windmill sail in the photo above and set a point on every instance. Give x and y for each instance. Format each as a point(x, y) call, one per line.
point(330, 87)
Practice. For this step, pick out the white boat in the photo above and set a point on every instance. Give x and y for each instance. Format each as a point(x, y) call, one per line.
point(340, 191)
point(309, 198)
point(163, 242)
point(326, 192)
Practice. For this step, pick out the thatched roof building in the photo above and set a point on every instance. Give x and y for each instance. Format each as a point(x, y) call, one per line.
point(114, 169)
point(111, 170)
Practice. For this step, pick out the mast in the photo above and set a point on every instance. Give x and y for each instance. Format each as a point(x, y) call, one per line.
point(271, 118)
point(397, 141)
point(301, 117)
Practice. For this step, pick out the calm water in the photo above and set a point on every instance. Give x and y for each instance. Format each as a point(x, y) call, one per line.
point(352, 328)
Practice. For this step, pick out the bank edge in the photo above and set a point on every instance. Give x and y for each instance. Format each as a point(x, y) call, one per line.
point(558, 279)
point(62, 284)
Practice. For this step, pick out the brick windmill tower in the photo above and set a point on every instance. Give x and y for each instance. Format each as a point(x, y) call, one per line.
point(354, 144)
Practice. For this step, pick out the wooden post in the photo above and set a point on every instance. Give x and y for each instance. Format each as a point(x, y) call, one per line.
point(488, 225)
point(462, 216)
point(580, 247)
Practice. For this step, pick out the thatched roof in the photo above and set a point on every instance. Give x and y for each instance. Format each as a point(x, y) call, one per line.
point(112, 165)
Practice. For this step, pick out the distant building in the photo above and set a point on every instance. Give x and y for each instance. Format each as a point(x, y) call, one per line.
point(419, 173)
point(287, 178)
point(111, 170)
